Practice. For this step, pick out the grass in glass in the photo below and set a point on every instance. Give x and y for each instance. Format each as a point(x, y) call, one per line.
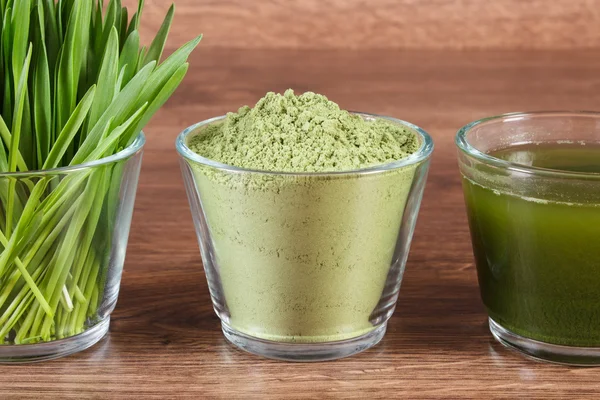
point(304, 266)
point(72, 230)
point(77, 91)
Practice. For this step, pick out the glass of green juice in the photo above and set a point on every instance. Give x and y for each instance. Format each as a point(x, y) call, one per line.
point(532, 190)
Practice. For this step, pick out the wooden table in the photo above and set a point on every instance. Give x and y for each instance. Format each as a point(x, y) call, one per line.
point(165, 340)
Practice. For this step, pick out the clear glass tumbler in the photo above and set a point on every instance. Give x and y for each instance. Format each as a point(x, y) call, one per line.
point(63, 235)
point(304, 266)
point(532, 190)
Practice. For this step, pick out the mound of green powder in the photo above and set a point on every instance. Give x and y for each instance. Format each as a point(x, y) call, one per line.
point(305, 133)
point(303, 258)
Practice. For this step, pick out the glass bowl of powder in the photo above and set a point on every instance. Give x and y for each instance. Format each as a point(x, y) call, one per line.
point(304, 213)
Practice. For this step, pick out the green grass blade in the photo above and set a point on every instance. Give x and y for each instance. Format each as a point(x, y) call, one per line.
point(134, 25)
point(18, 114)
point(14, 144)
point(42, 107)
point(40, 27)
point(27, 142)
point(53, 36)
point(8, 89)
point(3, 155)
point(92, 270)
point(20, 20)
point(165, 71)
point(119, 83)
point(65, 10)
point(106, 80)
point(158, 44)
point(70, 130)
point(129, 56)
point(140, 10)
point(7, 138)
point(72, 60)
point(123, 27)
point(97, 23)
point(112, 19)
point(141, 56)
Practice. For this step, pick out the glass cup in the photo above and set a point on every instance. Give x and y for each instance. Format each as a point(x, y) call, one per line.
point(63, 235)
point(534, 216)
point(304, 266)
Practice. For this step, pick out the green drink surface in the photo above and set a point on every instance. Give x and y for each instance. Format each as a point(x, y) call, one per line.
point(538, 261)
point(563, 157)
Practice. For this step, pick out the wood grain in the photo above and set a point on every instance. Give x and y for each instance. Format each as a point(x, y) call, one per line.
point(361, 24)
point(165, 340)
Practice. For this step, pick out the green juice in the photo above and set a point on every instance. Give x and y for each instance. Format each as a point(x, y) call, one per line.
point(538, 255)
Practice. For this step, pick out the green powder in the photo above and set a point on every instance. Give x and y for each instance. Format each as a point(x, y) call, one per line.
point(305, 133)
point(303, 258)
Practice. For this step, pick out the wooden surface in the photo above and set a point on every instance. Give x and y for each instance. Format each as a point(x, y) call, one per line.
point(415, 24)
point(165, 340)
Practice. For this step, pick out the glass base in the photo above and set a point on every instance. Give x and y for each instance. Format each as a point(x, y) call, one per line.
point(569, 355)
point(304, 352)
point(28, 353)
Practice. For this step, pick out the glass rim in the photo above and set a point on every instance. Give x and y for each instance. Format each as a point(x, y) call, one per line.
point(127, 152)
point(423, 153)
point(463, 144)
